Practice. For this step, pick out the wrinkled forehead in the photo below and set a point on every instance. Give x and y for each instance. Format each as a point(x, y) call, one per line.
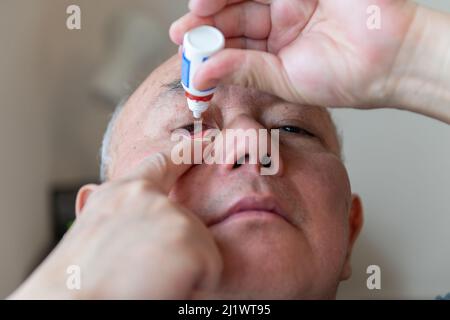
point(165, 82)
point(163, 86)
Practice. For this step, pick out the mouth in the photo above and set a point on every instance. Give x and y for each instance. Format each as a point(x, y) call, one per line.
point(255, 206)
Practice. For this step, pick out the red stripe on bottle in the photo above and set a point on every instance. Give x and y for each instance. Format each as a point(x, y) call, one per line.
point(202, 99)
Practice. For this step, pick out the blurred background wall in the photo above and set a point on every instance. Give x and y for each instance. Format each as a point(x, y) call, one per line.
point(58, 88)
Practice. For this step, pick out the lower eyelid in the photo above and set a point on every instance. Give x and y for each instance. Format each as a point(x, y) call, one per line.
point(298, 128)
point(306, 132)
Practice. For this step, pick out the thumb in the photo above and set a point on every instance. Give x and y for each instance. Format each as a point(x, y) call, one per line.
point(247, 68)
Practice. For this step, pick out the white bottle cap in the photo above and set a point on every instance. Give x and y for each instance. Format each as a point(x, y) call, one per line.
point(203, 41)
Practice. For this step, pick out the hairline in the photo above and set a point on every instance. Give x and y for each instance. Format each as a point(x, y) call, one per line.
point(105, 149)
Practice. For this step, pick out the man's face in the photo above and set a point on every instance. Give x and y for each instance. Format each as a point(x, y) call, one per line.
point(265, 256)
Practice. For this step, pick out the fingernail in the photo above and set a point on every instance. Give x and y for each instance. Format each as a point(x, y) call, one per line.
point(190, 5)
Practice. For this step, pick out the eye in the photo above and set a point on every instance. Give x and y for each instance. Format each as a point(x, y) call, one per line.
point(296, 130)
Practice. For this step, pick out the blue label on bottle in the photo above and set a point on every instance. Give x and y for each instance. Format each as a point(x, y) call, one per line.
point(204, 60)
point(185, 71)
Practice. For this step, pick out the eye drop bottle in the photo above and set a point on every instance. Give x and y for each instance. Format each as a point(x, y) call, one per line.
point(199, 45)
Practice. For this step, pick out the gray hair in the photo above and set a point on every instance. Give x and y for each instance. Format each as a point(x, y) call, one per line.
point(105, 150)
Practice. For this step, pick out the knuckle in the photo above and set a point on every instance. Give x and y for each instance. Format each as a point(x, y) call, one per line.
point(159, 162)
point(137, 188)
point(161, 204)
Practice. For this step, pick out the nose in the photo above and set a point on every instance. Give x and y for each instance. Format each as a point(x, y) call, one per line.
point(248, 146)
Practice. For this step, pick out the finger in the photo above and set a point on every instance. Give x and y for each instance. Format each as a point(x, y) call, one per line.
point(161, 171)
point(247, 68)
point(209, 7)
point(186, 23)
point(246, 43)
point(248, 19)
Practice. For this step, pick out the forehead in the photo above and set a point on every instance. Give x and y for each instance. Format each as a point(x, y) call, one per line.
point(164, 85)
point(248, 96)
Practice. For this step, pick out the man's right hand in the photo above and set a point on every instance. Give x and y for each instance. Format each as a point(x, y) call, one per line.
point(132, 241)
point(322, 52)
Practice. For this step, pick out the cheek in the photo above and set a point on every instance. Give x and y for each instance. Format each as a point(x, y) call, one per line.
point(192, 190)
point(325, 192)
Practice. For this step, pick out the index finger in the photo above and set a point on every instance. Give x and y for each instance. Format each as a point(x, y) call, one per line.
point(256, 28)
point(206, 8)
point(160, 170)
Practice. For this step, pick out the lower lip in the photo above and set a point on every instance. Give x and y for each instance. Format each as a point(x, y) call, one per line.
point(252, 215)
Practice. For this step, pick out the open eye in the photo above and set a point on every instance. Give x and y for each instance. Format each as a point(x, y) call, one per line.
point(296, 130)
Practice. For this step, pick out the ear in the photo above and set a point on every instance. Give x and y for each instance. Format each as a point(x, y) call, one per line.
point(82, 197)
point(355, 223)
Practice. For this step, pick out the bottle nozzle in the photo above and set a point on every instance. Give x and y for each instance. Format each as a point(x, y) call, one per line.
point(197, 107)
point(197, 115)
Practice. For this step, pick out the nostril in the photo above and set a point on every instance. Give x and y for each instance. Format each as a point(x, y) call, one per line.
point(241, 161)
point(266, 161)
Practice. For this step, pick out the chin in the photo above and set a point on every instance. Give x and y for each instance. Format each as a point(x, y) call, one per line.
point(262, 261)
point(268, 259)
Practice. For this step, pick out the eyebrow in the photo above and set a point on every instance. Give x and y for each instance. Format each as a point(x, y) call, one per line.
point(174, 87)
